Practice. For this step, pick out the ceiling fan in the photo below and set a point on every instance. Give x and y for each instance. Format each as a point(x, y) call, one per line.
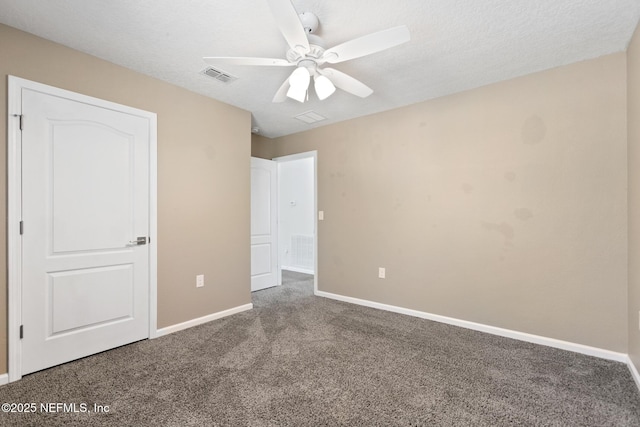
point(307, 53)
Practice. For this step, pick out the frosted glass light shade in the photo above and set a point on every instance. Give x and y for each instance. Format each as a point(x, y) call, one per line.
point(297, 93)
point(300, 78)
point(324, 87)
point(299, 81)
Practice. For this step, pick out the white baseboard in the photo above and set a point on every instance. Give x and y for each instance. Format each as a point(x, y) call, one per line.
point(201, 320)
point(4, 379)
point(634, 372)
point(297, 270)
point(508, 333)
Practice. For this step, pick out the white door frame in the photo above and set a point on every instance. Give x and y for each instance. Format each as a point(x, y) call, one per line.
point(299, 156)
point(14, 208)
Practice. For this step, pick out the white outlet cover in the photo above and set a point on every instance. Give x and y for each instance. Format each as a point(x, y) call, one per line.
point(199, 280)
point(382, 272)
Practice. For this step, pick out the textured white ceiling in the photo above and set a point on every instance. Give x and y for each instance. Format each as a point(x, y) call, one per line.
point(455, 44)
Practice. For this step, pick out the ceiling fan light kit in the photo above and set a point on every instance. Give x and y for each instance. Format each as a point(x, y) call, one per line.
point(323, 86)
point(298, 84)
point(307, 54)
point(300, 78)
point(299, 94)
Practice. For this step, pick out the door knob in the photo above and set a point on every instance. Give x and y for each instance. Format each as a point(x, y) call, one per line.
point(139, 241)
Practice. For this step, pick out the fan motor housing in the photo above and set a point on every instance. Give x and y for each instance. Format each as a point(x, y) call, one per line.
point(315, 53)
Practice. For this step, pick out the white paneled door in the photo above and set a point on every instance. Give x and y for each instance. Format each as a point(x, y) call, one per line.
point(85, 211)
point(264, 247)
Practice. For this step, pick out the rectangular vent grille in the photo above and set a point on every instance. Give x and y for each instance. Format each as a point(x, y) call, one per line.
point(310, 117)
point(219, 75)
point(302, 251)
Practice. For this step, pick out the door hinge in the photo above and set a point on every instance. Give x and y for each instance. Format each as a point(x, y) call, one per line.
point(21, 228)
point(21, 331)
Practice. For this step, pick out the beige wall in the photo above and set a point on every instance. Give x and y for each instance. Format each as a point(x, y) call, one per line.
point(522, 184)
point(262, 147)
point(633, 102)
point(505, 205)
point(203, 176)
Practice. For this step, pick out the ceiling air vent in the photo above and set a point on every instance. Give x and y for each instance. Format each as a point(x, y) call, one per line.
point(310, 117)
point(219, 75)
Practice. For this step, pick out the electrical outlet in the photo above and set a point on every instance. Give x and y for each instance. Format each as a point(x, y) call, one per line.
point(199, 280)
point(320, 215)
point(382, 272)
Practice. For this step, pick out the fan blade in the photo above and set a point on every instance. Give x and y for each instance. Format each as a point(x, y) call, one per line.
point(213, 60)
point(346, 82)
point(281, 94)
point(368, 44)
point(290, 26)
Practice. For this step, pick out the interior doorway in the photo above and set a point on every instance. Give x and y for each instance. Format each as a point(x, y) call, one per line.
point(283, 219)
point(297, 219)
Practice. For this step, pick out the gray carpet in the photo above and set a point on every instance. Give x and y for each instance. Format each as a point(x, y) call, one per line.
point(301, 360)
